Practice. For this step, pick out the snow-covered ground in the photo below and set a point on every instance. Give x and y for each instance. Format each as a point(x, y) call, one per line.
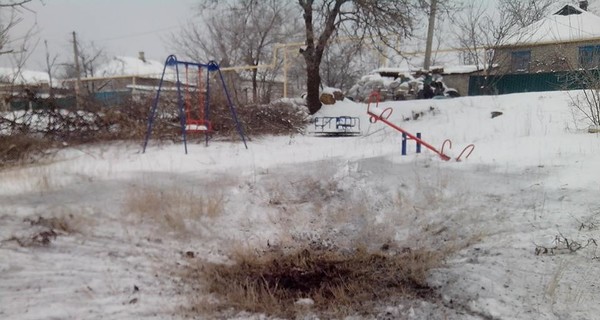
point(531, 183)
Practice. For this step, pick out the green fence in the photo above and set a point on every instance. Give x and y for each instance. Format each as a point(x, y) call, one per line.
point(533, 82)
point(61, 103)
point(107, 98)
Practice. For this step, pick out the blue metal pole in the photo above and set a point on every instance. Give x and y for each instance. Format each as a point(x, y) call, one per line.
point(155, 105)
point(404, 138)
point(418, 144)
point(231, 107)
point(182, 118)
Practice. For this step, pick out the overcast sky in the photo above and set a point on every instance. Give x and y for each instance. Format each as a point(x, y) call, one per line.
point(121, 27)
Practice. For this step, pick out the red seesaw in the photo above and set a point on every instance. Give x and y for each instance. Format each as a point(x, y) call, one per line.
point(377, 114)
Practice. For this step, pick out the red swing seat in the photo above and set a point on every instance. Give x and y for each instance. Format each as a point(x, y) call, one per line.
point(193, 125)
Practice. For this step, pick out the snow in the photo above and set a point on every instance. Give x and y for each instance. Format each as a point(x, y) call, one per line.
point(560, 28)
point(532, 179)
point(449, 69)
point(458, 69)
point(23, 76)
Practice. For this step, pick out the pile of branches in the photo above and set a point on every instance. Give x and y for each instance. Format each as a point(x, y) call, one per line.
point(26, 135)
point(277, 118)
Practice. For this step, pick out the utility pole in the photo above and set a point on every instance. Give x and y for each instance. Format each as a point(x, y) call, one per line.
point(49, 70)
point(78, 71)
point(285, 71)
point(433, 9)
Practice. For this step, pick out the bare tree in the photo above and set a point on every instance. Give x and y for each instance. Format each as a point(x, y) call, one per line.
point(50, 68)
point(365, 20)
point(525, 12)
point(240, 33)
point(8, 21)
point(22, 52)
point(13, 3)
point(90, 57)
point(6, 24)
point(480, 30)
point(20, 48)
point(343, 64)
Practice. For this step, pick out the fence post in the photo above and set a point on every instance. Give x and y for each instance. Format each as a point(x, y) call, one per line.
point(418, 144)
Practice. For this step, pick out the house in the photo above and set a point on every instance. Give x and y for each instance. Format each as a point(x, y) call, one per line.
point(137, 76)
point(568, 39)
point(19, 86)
point(123, 76)
point(554, 53)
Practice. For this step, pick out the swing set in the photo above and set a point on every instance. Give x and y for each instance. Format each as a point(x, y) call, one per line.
point(189, 95)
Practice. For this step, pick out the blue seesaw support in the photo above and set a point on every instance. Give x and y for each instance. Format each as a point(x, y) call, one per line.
point(210, 67)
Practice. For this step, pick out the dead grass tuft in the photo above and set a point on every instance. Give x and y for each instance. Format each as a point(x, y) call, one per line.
point(339, 283)
point(21, 149)
point(173, 207)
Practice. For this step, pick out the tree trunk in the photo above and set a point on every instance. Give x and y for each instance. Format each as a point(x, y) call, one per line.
point(313, 53)
point(313, 84)
point(254, 86)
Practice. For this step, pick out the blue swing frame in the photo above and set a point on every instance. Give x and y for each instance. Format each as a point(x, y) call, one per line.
point(211, 66)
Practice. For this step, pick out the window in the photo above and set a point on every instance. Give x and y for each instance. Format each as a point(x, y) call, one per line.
point(520, 61)
point(589, 56)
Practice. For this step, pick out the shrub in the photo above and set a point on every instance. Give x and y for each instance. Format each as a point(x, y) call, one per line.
point(16, 149)
point(587, 102)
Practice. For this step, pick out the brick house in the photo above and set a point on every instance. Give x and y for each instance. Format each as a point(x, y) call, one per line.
point(568, 39)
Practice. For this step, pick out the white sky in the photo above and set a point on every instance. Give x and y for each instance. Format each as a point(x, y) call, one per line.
point(120, 27)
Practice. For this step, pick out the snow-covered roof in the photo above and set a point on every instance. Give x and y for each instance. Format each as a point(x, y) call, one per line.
point(12, 75)
point(568, 24)
point(130, 66)
point(448, 69)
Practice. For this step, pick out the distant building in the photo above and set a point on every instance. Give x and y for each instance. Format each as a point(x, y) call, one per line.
point(554, 53)
point(139, 76)
point(123, 77)
point(568, 39)
point(19, 86)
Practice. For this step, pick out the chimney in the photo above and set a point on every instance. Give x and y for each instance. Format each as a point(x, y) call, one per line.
point(583, 5)
point(142, 56)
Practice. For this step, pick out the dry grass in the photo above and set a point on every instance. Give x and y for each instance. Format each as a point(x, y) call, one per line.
point(306, 190)
point(173, 208)
point(339, 283)
point(330, 219)
point(22, 149)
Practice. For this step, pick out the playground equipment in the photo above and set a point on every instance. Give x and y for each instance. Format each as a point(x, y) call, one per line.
point(405, 138)
point(337, 126)
point(190, 120)
point(378, 114)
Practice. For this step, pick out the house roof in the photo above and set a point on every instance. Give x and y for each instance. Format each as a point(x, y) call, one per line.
point(568, 24)
point(23, 76)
